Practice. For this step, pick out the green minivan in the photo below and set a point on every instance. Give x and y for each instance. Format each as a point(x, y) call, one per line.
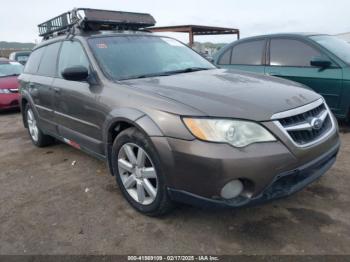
point(319, 61)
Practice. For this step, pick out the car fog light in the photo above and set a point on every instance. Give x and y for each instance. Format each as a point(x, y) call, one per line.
point(232, 189)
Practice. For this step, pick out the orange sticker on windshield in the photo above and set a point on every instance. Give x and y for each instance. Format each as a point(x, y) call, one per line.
point(102, 46)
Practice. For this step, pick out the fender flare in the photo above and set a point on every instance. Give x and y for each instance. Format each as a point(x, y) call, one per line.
point(26, 96)
point(131, 116)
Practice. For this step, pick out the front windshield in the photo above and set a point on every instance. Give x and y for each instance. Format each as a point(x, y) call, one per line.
point(10, 69)
point(127, 57)
point(335, 45)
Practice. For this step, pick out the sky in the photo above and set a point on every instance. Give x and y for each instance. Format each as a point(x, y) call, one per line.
point(19, 18)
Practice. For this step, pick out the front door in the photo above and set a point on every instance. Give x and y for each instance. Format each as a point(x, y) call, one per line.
point(290, 58)
point(75, 102)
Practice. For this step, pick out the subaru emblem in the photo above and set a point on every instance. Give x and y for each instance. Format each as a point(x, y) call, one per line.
point(316, 123)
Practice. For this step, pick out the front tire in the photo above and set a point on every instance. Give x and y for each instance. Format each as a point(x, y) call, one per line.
point(136, 167)
point(36, 135)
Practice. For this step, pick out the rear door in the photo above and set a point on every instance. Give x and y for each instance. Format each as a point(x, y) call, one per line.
point(75, 102)
point(290, 58)
point(246, 56)
point(40, 86)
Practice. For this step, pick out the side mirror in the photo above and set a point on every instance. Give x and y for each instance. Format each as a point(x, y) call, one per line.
point(76, 73)
point(321, 62)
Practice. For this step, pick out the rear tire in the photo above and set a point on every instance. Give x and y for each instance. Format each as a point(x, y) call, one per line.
point(136, 167)
point(38, 138)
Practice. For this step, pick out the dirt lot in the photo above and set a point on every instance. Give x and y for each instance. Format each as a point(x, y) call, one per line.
point(49, 206)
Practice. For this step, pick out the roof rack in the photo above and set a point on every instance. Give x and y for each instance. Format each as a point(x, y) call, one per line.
point(93, 20)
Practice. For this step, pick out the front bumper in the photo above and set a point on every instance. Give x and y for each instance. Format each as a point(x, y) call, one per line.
point(282, 185)
point(9, 101)
point(196, 171)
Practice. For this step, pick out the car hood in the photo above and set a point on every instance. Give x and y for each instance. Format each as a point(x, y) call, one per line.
point(228, 93)
point(9, 82)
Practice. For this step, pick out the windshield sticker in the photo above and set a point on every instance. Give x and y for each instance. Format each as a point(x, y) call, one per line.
point(172, 42)
point(101, 46)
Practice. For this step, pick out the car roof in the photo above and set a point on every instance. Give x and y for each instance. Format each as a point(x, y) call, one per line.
point(4, 60)
point(301, 34)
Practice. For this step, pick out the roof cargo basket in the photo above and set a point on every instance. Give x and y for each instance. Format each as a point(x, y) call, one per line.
point(95, 19)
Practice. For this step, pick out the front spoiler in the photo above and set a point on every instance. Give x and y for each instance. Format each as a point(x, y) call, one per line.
point(283, 185)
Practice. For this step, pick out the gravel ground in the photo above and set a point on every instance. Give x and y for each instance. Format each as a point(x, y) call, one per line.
point(49, 206)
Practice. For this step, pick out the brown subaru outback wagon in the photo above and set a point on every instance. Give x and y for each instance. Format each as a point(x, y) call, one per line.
point(171, 126)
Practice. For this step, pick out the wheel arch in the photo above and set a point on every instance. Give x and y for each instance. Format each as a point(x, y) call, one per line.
point(23, 104)
point(123, 120)
point(24, 100)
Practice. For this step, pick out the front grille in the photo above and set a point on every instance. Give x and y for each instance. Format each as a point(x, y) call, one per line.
point(307, 126)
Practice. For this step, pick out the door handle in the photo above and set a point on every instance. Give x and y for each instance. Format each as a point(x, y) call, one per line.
point(57, 90)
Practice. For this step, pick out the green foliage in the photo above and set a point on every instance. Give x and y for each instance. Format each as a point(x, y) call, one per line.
point(16, 45)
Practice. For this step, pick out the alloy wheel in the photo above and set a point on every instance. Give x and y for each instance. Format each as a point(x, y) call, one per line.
point(137, 173)
point(33, 128)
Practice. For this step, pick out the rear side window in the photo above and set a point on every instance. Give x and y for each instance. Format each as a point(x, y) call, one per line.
point(289, 52)
point(226, 57)
point(248, 53)
point(34, 60)
point(48, 62)
point(72, 54)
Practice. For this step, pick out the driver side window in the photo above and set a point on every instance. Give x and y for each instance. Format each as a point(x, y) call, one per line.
point(72, 54)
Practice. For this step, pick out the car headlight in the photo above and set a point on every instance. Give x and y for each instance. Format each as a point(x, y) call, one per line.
point(4, 91)
point(238, 133)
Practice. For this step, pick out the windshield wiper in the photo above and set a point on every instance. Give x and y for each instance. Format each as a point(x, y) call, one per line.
point(152, 75)
point(188, 70)
point(167, 73)
point(144, 76)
